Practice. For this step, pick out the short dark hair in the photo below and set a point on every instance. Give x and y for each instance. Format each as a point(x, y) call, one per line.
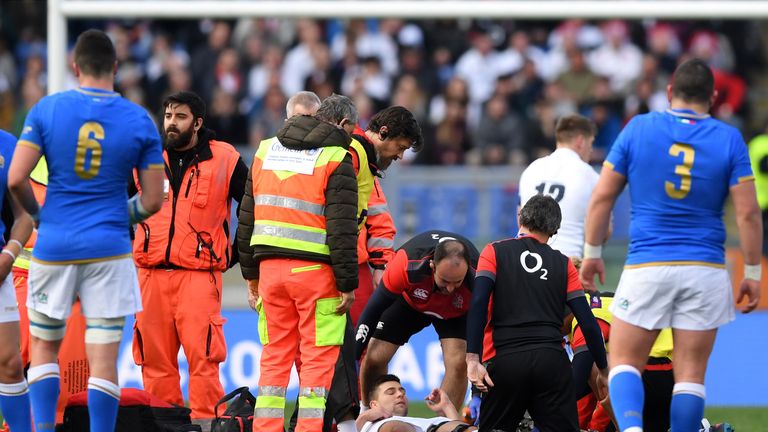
point(400, 123)
point(693, 81)
point(449, 247)
point(94, 53)
point(570, 126)
point(379, 381)
point(190, 99)
point(541, 214)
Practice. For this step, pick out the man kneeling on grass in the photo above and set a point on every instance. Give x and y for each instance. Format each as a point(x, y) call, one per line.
point(389, 409)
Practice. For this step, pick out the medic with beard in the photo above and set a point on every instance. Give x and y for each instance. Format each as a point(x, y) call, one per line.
point(428, 282)
point(180, 253)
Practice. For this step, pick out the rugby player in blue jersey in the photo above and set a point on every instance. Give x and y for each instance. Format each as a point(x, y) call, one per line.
point(92, 140)
point(681, 165)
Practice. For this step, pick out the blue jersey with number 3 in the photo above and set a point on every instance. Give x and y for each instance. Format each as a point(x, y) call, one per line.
point(679, 167)
point(92, 140)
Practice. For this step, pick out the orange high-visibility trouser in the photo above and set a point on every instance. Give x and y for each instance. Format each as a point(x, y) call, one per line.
point(73, 362)
point(297, 311)
point(182, 308)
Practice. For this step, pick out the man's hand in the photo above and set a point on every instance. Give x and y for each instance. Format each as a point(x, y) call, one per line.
point(589, 268)
point(477, 373)
point(474, 409)
point(374, 414)
point(253, 293)
point(347, 298)
point(437, 399)
point(750, 289)
point(6, 265)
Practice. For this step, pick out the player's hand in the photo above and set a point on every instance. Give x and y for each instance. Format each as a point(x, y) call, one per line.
point(589, 268)
point(253, 293)
point(347, 298)
point(750, 289)
point(437, 400)
point(474, 409)
point(374, 414)
point(478, 375)
point(6, 265)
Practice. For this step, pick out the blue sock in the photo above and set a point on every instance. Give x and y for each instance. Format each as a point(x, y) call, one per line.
point(687, 407)
point(14, 402)
point(43, 393)
point(625, 385)
point(103, 401)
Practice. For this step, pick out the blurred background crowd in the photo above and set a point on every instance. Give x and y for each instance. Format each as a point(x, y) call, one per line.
point(485, 92)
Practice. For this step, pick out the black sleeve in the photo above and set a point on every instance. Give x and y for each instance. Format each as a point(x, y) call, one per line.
point(248, 265)
point(582, 369)
point(590, 329)
point(380, 300)
point(236, 191)
point(478, 314)
point(238, 181)
point(341, 224)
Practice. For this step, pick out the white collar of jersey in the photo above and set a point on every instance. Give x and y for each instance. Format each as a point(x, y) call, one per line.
point(687, 113)
point(97, 92)
point(568, 152)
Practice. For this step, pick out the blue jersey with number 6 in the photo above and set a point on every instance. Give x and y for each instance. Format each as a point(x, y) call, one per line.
point(679, 166)
point(92, 140)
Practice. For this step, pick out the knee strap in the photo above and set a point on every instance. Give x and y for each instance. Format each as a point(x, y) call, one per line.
point(43, 327)
point(104, 330)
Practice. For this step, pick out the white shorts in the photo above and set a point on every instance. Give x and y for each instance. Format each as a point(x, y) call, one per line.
point(689, 297)
point(9, 307)
point(107, 289)
point(421, 424)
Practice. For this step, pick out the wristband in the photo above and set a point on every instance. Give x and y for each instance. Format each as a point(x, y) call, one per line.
point(592, 251)
point(136, 211)
point(21, 246)
point(7, 252)
point(752, 271)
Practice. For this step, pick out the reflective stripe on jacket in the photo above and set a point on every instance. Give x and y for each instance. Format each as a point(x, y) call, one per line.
point(289, 207)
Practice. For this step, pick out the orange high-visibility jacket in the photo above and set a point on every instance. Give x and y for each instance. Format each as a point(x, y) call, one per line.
point(192, 230)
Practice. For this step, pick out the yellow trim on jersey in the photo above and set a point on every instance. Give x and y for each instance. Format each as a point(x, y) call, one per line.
point(746, 178)
point(609, 165)
point(93, 93)
point(155, 166)
point(674, 263)
point(82, 261)
point(30, 144)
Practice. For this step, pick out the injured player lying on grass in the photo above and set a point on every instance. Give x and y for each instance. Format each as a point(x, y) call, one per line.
point(389, 409)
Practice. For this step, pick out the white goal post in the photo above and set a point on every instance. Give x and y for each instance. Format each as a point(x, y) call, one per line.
point(61, 10)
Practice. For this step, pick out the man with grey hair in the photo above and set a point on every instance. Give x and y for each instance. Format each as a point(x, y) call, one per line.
point(302, 103)
point(339, 110)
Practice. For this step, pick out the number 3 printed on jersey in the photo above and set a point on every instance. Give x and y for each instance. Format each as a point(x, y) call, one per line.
point(539, 262)
point(88, 139)
point(683, 170)
point(554, 190)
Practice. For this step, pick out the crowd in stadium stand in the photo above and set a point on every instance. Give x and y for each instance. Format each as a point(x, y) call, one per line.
point(485, 92)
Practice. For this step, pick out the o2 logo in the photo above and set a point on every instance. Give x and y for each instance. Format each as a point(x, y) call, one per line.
point(537, 267)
